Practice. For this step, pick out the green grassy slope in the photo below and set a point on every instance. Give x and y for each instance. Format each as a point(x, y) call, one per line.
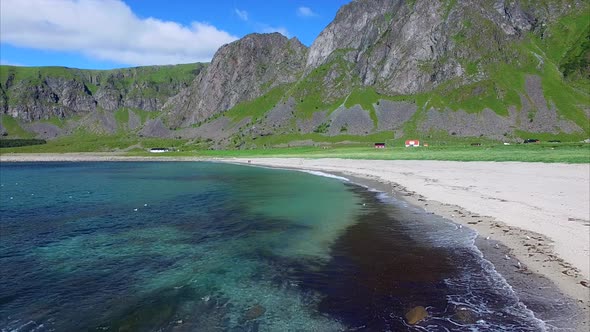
point(12, 126)
point(149, 81)
point(155, 74)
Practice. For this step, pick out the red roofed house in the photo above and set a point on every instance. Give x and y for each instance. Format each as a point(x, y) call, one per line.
point(412, 142)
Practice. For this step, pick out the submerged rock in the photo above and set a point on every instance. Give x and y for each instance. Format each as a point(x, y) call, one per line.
point(253, 313)
point(465, 315)
point(416, 315)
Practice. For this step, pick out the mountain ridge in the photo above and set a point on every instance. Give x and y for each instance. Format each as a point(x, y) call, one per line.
point(463, 68)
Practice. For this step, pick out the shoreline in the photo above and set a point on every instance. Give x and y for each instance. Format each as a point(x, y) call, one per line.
point(545, 282)
point(542, 296)
point(548, 300)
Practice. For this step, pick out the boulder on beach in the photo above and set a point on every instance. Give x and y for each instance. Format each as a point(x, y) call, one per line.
point(416, 315)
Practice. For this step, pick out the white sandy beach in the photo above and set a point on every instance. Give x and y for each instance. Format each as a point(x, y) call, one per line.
point(540, 211)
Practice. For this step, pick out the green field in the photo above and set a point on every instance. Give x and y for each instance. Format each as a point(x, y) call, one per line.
point(84, 142)
point(567, 153)
point(456, 151)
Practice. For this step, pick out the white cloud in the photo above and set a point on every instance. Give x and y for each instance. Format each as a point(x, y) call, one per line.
point(305, 12)
point(106, 30)
point(242, 14)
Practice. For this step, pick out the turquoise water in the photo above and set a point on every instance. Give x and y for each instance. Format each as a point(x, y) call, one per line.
point(216, 247)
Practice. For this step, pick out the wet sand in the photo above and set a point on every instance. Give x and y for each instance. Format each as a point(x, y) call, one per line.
point(544, 297)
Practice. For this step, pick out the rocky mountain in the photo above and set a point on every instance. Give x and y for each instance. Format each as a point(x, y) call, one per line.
point(382, 69)
point(240, 71)
point(30, 94)
point(407, 47)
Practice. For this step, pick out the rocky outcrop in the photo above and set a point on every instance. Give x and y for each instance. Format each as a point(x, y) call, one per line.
point(392, 115)
point(3, 131)
point(41, 93)
point(350, 121)
point(463, 124)
point(240, 71)
point(281, 115)
point(539, 116)
point(155, 128)
point(536, 115)
point(403, 47)
point(311, 124)
point(49, 97)
point(45, 130)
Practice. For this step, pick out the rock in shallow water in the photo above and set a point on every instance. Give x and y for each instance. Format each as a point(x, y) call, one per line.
point(253, 313)
point(416, 315)
point(465, 316)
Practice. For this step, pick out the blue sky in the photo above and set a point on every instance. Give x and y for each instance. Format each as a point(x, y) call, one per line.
point(104, 34)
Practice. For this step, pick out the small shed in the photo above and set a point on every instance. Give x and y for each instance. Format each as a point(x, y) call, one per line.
point(159, 150)
point(379, 145)
point(412, 143)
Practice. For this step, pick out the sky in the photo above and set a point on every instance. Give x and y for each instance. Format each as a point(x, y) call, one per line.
point(104, 34)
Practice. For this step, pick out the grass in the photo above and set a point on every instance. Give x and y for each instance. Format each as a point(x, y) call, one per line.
point(83, 141)
point(34, 74)
point(13, 127)
point(474, 98)
point(329, 147)
point(565, 36)
point(365, 98)
point(548, 153)
point(122, 117)
point(258, 107)
point(149, 81)
point(164, 74)
point(544, 137)
point(448, 7)
point(56, 121)
point(310, 93)
point(285, 139)
point(145, 115)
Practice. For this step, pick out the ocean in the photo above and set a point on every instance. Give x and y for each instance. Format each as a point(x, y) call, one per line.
point(201, 246)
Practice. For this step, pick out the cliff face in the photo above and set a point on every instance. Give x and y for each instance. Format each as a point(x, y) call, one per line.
point(240, 71)
point(49, 97)
point(406, 47)
point(40, 93)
